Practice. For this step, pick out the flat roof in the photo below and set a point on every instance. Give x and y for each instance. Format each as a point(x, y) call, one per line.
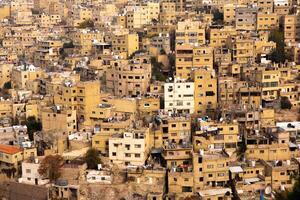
point(236, 169)
point(214, 192)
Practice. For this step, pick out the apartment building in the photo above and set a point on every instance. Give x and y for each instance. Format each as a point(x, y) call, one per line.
point(291, 91)
point(5, 73)
point(179, 97)
point(129, 77)
point(229, 13)
point(23, 74)
point(105, 130)
point(129, 148)
point(125, 43)
point(281, 172)
point(30, 174)
point(173, 129)
point(55, 119)
point(46, 21)
point(78, 14)
point(12, 156)
point(242, 48)
point(48, 52)
point(84, 39)
point(167, 15)
point(246, 18)
point(267, 21)
point(265, 6)
point(218, 37)
point(190, 32)
point(211, 169)
point(189, 57)
point(205, 90)
point(141, 15)
point(212, 135)
point(291, 28)
point(269, 80)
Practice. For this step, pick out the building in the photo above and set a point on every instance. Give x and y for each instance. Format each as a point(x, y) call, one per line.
point(129, 78)
point(179, 97)
point(30, 174)
point(127, 43)
point(129, 148)
point(190, 32)
point(189, 57)
point(205, 90)
point(246, 18)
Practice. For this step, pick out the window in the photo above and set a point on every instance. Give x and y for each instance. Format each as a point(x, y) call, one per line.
point(137, 155)
point(137, 146)
point(186, 189)
point(28, 171)
point(128, 155)
point(261, 151)
point(114, 153)
point(221, 174)
point(210, 175)
point(220, 165)
point(210, 166)
point(200, 160)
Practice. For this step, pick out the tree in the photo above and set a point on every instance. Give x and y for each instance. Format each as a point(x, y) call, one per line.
point(157, 70)
point(92, 158)
point(32, 126)
point(285, 103)
point(278, 55)
point(51, 167)
point(87, 24)
point(218, 17)
point(7, 85)
point(292, 194)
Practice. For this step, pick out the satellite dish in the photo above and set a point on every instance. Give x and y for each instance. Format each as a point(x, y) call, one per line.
point(268, 190)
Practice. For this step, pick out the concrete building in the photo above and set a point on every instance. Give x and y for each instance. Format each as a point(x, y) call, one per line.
point(205, 90)
point(129, 78)
point(129, 148)
point(179, 97)
point(246, 18)
point(189, 57)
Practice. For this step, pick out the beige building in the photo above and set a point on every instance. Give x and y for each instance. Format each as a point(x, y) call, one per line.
point(56, 119)
point(23, 74)
point(190, 32)
point(205, 90)
point(129, 148)
point(127, 43)
point(129, 77)
point(189, 57)
point(5, 73)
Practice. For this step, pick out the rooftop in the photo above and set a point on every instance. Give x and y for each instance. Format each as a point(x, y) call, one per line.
point(9, 149)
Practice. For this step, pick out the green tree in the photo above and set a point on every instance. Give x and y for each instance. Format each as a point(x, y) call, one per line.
point(218, 17)
point(292, 194)
point(87, 24)
point(32, 126)
point(92, 158)
point(157, 70)
point(285, 103)
point(7, 85)
point(51, 167)
point(278, 55)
